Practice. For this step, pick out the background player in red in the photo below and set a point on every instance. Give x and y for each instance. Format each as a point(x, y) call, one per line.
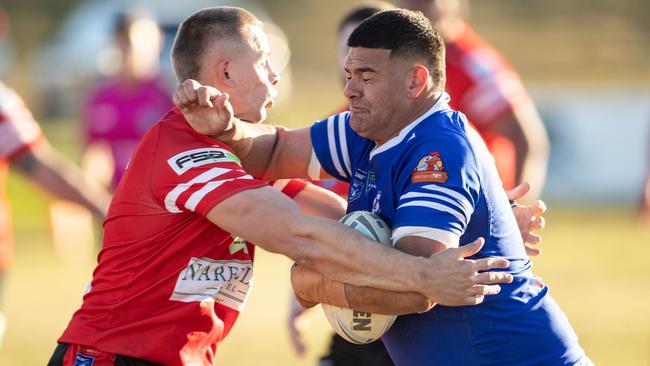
point(345, 27)
point(24, 148)
point(486, 88)
point(173, 273)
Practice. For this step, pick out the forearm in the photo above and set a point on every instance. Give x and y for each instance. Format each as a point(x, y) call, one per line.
point(272, 221)
point(270, 152)
point(312, 287)
point(523, 127)
point(63, 179)
point(317, 201)
point(342, 254)
point(254, 144)
point(532, 148)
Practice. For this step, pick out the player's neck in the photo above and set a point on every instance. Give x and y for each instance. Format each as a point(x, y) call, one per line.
point(414, 111)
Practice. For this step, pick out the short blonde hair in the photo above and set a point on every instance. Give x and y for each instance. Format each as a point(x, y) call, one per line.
point(198, 32)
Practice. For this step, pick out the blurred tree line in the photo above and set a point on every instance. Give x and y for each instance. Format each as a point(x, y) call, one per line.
point(35, 21)
point(548, 41)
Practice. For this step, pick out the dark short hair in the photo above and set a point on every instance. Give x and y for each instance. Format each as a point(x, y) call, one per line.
point(198, 32)
point(362, 12)
point(126, 18)
point(404, 33)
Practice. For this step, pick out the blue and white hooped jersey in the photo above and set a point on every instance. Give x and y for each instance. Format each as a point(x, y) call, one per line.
point(437, 179)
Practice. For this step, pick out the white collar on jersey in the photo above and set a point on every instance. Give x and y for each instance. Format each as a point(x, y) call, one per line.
point(442, 103)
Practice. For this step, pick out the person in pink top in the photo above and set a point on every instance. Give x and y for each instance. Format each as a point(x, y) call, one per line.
point(122, 107)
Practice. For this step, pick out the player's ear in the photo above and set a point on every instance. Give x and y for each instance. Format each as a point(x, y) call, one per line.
point(417, 81)
point(224, 73)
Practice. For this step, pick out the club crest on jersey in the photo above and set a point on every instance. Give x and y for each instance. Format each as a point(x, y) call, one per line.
point(237, 245)
point(429, 169)
point(187, 160)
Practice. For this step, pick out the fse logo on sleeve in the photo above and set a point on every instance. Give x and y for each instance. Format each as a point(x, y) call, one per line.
point(187, 160)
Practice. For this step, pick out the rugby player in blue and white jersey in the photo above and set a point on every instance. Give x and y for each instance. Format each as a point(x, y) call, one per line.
point(417, 164)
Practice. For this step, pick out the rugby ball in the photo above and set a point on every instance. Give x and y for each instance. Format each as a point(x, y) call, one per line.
point(356, 326)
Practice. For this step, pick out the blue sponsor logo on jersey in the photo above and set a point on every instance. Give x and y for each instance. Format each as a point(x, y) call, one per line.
point(371, 181)
point(356, 187)
point(375, 204)
point(83, 360)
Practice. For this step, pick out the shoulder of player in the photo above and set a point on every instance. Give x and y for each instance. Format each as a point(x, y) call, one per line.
point(450, 139)
point(180, 149)
point(341, 117)
point(336, 124)
point(173, 128)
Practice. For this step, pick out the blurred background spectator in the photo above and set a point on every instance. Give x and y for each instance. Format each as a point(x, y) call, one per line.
point(584, 64)
point(83, 50)
point(122, 107)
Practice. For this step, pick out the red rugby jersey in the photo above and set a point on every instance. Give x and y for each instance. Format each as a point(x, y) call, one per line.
point(18, 133)
point(484, 86)
point(169, 284)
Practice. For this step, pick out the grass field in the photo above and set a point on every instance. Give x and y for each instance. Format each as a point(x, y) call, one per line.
point(595, 261)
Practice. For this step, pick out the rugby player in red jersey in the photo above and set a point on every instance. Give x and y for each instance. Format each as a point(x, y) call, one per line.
point(488, 90)
point(176, 264)
point(24, 148)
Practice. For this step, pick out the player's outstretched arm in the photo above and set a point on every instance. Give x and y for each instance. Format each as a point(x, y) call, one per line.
point(311, 288)
point(269, 219)
point(61, 177)
point(522, 125)
point(316, 201)
point(265, 151)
